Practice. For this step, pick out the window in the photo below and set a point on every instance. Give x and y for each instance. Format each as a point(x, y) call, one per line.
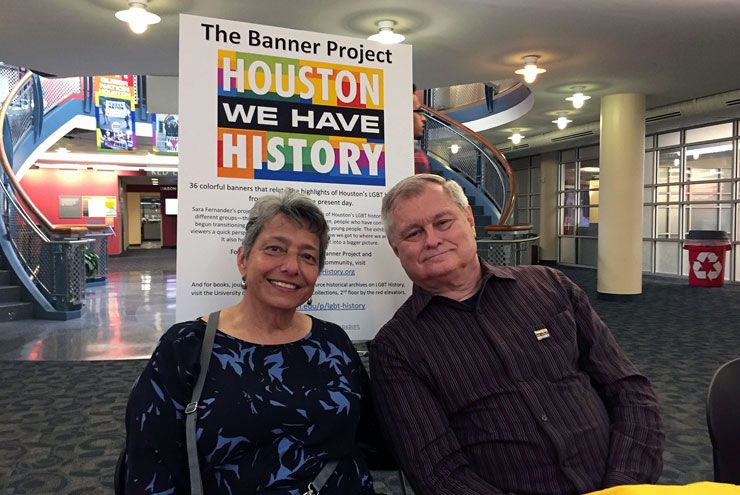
point(527, 175)
point(695, 187)
point(578, 205)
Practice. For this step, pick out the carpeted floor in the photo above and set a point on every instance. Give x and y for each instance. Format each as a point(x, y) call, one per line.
point(61, 424)
point(677, 336)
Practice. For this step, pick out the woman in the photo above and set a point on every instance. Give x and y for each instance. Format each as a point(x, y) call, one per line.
point(285, 392)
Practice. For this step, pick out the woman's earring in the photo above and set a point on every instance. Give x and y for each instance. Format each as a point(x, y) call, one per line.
point(244, 283)
point(310, 301)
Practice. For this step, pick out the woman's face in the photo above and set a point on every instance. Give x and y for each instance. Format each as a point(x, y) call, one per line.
point(282, 267)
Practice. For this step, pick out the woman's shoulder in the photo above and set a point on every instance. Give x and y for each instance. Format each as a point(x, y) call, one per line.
point(328, 330)
point(332, 334)
point(183, 337)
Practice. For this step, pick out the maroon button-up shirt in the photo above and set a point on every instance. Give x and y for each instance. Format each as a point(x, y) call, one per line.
point(525, 391)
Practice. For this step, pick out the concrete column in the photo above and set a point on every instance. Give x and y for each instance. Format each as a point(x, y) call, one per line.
point(621, 157)
point(549, 183)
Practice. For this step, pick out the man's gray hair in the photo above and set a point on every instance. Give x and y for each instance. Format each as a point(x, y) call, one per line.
point(414, 186)
point(294, 205)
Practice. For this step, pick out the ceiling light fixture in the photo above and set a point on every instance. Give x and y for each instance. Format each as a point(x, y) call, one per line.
point(578, 98)
point(385, 33)
point(562, 122)
point(137, 16)
point(454, 148)
point(530, 70)
point(516, 138)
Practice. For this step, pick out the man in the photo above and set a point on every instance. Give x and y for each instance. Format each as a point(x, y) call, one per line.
point(421, 160)
point(494, 379)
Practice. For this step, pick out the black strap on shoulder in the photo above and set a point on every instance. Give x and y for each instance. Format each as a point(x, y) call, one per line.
point(318, 483)
point(191, 416)
point(191, 411)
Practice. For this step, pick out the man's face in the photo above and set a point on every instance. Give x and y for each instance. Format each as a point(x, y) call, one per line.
point(432, 237)
point(419, 119)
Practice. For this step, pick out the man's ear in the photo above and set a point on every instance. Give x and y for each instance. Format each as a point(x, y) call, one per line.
point(469, 217)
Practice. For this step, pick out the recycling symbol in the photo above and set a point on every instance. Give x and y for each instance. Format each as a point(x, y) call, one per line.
point(707, 266)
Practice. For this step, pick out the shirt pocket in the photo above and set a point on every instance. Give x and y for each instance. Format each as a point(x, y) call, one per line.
point(548, 350)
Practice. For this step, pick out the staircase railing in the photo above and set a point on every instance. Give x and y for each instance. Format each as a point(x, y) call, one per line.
point(472, 156)
point(47, 258)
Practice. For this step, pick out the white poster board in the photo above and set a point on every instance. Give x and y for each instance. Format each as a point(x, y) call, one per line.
point(265, 108)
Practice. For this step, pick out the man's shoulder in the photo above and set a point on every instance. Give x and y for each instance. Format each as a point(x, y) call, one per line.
point(402, 321)
point(526, 275)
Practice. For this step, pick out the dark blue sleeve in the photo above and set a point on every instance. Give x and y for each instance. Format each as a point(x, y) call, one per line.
point(156, 461)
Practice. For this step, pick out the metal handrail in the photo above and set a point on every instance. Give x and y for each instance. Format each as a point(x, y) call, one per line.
point(47, 258)
point(492, 162)
point(475, 93)
point(28, 204)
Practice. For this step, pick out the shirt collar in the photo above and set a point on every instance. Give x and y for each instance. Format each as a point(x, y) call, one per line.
point(420, 297)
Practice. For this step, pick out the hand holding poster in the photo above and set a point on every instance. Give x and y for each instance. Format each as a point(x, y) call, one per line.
point(266, 108)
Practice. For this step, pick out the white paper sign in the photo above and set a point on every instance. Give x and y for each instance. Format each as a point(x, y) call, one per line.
point(265, 108)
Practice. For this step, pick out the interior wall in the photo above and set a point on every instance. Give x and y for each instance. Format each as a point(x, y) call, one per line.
point(169, 222)
point(133, 215)
point(44, 186)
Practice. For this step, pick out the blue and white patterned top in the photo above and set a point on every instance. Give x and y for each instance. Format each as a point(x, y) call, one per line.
point(270, 416)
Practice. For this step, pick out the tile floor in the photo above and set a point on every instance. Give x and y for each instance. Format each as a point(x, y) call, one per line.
point(122, 319)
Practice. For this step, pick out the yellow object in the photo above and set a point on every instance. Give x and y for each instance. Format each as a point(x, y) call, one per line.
point(701, 488)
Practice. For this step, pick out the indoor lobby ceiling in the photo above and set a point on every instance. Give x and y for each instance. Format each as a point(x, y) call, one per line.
point(670, 50)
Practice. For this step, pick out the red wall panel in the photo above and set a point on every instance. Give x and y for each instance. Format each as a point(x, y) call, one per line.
point(44, 186)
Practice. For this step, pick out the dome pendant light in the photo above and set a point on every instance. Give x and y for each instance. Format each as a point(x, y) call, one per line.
point(516, 138)
point(562, 122)
point(578, 98)
point(137, 16)
point(385, 33)
point(530, 70)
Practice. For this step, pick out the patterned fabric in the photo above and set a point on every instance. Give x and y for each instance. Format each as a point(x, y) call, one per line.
point(525, 392)
point(269, 418)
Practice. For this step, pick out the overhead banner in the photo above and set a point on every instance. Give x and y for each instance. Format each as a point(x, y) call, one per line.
point(266, 108)
point(114, 111)
point(165, 133)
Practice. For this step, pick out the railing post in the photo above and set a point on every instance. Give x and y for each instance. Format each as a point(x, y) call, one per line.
point(143, 103)
point(38, 107)
point(478, 168)
point(7, 140)
point(67, 284)
point(87, 95)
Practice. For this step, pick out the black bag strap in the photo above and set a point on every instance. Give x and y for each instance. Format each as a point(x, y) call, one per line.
point(191, 411)
point(191, 416)
point(320, 480)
